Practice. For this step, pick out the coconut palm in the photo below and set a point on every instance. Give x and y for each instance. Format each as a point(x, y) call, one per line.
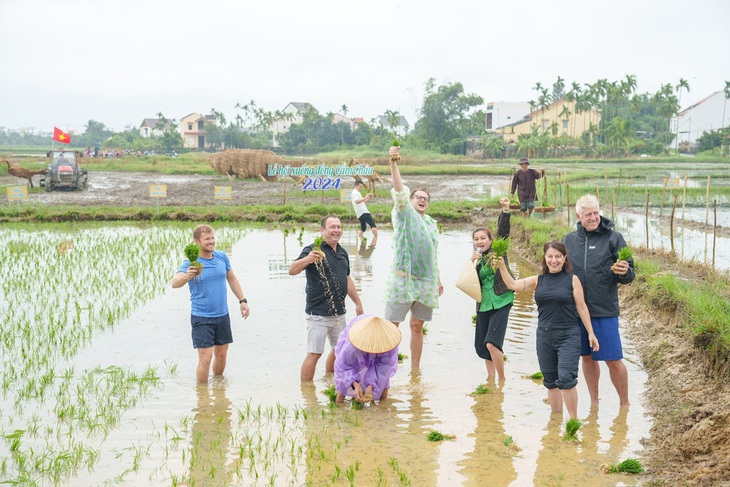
point(727, 96)
point(681, 85)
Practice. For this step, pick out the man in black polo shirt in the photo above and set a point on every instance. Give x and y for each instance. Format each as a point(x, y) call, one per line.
point(328, 282)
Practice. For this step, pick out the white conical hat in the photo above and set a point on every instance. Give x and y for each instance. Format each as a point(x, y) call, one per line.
point(374, 335)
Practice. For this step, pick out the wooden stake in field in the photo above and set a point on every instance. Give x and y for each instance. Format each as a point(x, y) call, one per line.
point(684, 194)
point(613, 203)
point(714, 235)
point(646, 217)
point(628, 195)
point(707, 202)
point(567, 195)
point(664, 191)
point(671, 222)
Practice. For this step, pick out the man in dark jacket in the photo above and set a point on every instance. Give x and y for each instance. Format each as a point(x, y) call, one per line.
point(593, 250)
point(524, 179)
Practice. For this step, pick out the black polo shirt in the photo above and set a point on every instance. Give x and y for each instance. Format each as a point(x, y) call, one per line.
point(326, 297)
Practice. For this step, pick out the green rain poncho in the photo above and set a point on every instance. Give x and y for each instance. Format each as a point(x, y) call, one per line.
point(414, 273)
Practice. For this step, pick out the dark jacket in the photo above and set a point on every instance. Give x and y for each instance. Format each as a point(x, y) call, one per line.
point(592, 254)
point(526, 182)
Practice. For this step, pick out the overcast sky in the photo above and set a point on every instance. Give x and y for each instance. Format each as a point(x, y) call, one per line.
point(65, 62)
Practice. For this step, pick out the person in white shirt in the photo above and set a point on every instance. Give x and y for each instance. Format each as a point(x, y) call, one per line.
point(361, 209)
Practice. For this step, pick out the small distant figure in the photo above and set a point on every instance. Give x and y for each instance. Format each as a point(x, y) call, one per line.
point(211, 323)
point(328, 282)
point(524, 183)
point(367, 358)
point(361, 209)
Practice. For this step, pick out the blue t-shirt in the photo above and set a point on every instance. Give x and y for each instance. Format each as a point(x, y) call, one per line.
point(208, 294)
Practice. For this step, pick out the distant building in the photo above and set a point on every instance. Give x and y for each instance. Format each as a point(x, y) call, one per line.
point(192, 129)
point(401, 128)
point(704, 116)
point(152, 126)
point(293, 113)
point(560, 114)
point(501, 113)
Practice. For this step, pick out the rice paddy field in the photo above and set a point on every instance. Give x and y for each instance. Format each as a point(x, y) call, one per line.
point(98, 383)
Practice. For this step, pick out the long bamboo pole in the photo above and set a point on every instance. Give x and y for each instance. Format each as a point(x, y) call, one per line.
point(628, 195)
point(613, 203)
point(684, 195)
point(707, 202)
point(671, 222)
point(714, 237)
point(646, 216)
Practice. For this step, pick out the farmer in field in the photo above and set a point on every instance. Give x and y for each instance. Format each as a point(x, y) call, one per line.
point(361, 210)
point(211, 324)
point(593, 250)
point(524, 183)
point(413, 282)
point(327, 270)
point(367, 357)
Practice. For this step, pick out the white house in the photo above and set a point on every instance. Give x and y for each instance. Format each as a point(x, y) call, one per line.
point(151, 126)
point(293, 113)
point(503, 113)
point(704, 116)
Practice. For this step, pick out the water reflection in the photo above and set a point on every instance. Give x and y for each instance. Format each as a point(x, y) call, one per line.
point(211, 436)
point(490, 463)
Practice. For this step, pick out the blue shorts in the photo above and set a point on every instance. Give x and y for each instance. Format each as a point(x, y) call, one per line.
point(609, 340)
point(525, 205)
point(211, 331)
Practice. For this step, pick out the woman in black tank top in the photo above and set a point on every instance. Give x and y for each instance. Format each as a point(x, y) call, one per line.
point(560, 308)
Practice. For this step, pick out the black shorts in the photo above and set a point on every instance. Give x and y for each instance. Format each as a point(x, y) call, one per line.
point(491, 328)
point(207, 332)
point(366, 219)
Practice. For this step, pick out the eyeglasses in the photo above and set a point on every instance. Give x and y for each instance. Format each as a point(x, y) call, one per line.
point(421, 198)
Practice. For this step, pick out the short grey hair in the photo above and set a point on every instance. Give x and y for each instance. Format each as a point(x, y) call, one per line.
point(586, 201)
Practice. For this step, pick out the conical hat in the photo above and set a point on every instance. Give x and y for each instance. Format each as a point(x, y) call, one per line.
point(468, 282)
point(374, 335)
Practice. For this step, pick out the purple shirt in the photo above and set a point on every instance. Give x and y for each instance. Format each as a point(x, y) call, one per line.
point(354, 365)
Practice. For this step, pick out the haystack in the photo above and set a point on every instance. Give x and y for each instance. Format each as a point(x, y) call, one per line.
point(247, 163)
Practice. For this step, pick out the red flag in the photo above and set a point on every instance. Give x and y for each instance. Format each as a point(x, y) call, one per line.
point(61, 136)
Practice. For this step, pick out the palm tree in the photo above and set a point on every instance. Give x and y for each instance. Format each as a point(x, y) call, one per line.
point(565, 113)
point(393, 118)
point(682, 84)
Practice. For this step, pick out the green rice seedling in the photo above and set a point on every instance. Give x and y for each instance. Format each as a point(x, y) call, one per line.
point(425, 329)
point(402, 356)
point(318, 244)
point(357, 405)
point(624, 254)
point(438, 436)
point(330, 392)
point(473, 319)
point(630, 465)
point(481, 390)
point(509, 442)
point(499, 250)
point(192, 252)
point(537, 376)
point(571, 429)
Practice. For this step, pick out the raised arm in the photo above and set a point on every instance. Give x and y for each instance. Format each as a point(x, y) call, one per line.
point(394, 154)
point(528, 284)
point(503, 223)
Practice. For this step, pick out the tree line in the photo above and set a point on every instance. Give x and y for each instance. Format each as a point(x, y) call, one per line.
point(629, 123)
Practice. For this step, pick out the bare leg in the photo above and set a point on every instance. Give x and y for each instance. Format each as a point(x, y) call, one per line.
point(308, 366)
point(497, 360)
point(490, 369)
point(220, 352)
point(329, 367)
point(591, 372)
point(620, 380)
point(375, 233)
point(570, 398)
point(340, 398)
point(384, 394)
point(416, 342)
point(205, 355)
point(556, 400)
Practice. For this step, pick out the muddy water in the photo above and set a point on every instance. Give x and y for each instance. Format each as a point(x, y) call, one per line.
point(182, 431)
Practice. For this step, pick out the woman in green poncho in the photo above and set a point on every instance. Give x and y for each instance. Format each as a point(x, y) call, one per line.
point(413, 282)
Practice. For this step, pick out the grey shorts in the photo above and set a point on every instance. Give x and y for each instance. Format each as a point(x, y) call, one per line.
point(524, 205)
point(396, 312)
point(207, 332)
point(319, 328)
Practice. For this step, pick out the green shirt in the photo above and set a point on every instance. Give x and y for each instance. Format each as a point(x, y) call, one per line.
point(490, 300)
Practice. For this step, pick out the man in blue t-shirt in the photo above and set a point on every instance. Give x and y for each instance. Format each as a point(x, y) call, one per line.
point(211, 324)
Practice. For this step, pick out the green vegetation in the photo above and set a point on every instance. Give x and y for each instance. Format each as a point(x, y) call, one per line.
point(630, 465)
point(438, 436)
point(331, 393)
point(192, 252)
point(481, 390)
point(537, 376)
point(571, 429)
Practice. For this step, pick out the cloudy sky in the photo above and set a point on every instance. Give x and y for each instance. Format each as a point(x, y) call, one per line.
point(65, 62)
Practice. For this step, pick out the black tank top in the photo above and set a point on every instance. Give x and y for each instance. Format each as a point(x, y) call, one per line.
point(555, 303)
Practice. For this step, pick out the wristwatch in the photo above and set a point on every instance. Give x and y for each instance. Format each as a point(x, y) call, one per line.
point(244, 300)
